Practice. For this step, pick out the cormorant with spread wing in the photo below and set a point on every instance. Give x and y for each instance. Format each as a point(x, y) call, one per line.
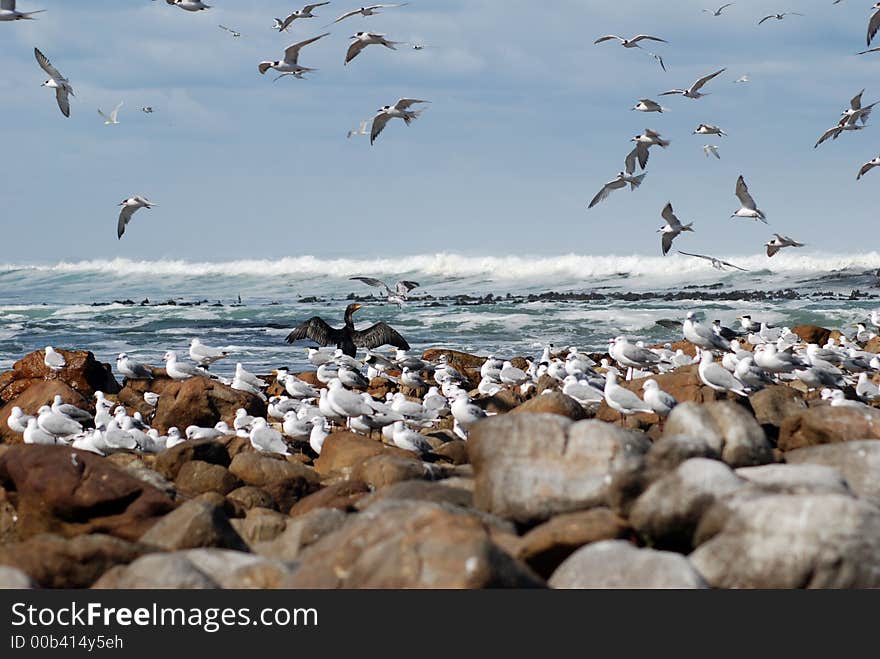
point(348, 338)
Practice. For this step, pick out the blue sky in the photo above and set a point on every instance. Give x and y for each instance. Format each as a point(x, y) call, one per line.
point(528, 120)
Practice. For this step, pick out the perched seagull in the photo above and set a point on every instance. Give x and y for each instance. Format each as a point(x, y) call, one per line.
point(368, 11)
point(874, 23)
point(629, 43)
point(398, 294)
point(694, 90)
point(56, 81)
point(620, 182)
point(717, 12)
point(132, 369)
point(400, 110)
point(779, 17)
point(113, 119)
point(623, 400)
point(743, 78)
point(709, 129)
point(54, 361)
point(717, 377)
point(266, 439)
point(129, 206)
point(290, 62)
point(702, 335)
point(8, 12)
point(647, 105)
point(711, 150)
point(189, 5)
point(364, 39)
point(305, 12)
point(234, 33)
point(661, 402)
point(671, 229)
point(749, 209)
point(179, 371)
point(868, 166)
point(718, 264)
point(360, 131)
point(779, 242)
point(640, 152)
point(205, 355)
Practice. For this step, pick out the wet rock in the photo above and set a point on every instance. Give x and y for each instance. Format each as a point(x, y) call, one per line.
point(857, 462)
point(202, 402)
point(196, 477)
point(796, 479)
point(553, 403)
point(342, 451)
point(300, 532)
point(404, 544)
point(169, 461)
point(773, 404)
point(53, 561)
point(419, 491)
point(194, 524)
point(727, 427)
point(165, 571)
point(12, 578)
point(546, 546)
point(668, 512)
point(794, 541)
point(72, 492)
point(37, 394)
point(531, 467)
point(618, 564)
point(343, 496)
point(828, 425)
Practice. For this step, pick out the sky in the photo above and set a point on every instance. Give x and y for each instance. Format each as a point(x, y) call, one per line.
point(528, 119)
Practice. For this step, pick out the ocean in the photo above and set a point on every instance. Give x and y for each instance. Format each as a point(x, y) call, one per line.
point(508, 306)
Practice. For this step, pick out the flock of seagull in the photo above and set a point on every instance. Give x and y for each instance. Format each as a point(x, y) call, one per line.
point(852, 119)
point(288, 65)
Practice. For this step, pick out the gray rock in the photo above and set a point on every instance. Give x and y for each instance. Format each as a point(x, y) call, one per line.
point(670, 509)
point(618, 564)
point(170, 570)
point(300, 532)
point(238, 570)
point(728, 429)
point(794, 541)
point(194, 524)
point(669, 452)
point(529, 467)
point(260, 525)
point(858, 462)
point(796, 479)
point(14, 579)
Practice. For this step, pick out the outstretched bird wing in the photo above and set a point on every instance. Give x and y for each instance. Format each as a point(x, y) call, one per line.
point(124, 218)
point(46, 65)
point(379, 334)
point(379, 123)
point(742, 192)
point(369, 281)
point(702, 81)
point(404, 286)
point(317, 330)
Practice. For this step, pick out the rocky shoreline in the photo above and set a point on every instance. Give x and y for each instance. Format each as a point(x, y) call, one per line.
point(774, 490)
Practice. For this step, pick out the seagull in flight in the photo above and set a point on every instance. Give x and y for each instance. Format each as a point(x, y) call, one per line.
point(129, 206)
point(364, 39)
point(305, 12)
point(779, 17)
point(290, 63)
point(718, 264)
point(368, 11)
point(779, 242)
point(113, 119)
point(868, 166)
point(56, 81)
point(836, 131)
point(147, 109)
point(620, 182)
point(709, 129)
point(234, 33)
point(189, 5)
point(360, 131)
point(743, 78)
point(856, 112)
point(711, 150)
point(399, 110)
point(694, 90)
point(873, 23)
point(398, 294)
point(749, 209)
point(641, 151)
point(629, 43)
point(671, 229)
point(717, 12)
point(647, 105)
point(8, 12)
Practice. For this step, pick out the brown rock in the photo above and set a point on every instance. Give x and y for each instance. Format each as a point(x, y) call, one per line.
point(381, 470)
point(858, 462)
point(458, 360)
point(196, 477)
point(83, 372)
point(72, 492)
point(286, 482)
point(812, 334)
point(772, 405)
point(169, 461)
point(342, 496)
point(260, 525)
point(455, 451)
point(501, 403)
point(248, 497)
point(546, 546)
point(171, 570)
point(202, 402)
point(342, 451)
point(194, 524)
point(419, 491)
point(553, 403)
point(828, 425)
point(32, 398)
point(53, 561)
point(300, 532)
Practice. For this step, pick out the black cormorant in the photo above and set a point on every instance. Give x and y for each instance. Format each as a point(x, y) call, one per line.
point(348, 338)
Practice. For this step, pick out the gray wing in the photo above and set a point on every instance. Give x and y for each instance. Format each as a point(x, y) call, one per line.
point(607, 37)
point(666, 242)
point(646, 37)
point(404, 286)
point(379, 123)
point(699, 256)
point(7, 4)
point(602, 195)
point(702, 81)
point(873, 26)
point(831, 132)
point(772, 249)
point(308, 8)
point(369, 281)
point(730, 265)
point(742, 191)
point(124, 218)
point(63, 101)
point(347, 15)
point(354, 50)
point(46, 65)
point(405, 103)
point(291, 53)
point(867, 167)
point(856, 102)
point(766, 18)
point(668, 215)
point(630, 162)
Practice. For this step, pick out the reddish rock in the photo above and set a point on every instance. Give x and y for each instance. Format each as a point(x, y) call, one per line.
point(341, 496)
point(202, 402)
point(458, 360)
point(773, 404)
point(197, 477)
point(455, 451)
point(72, 492)
point(828, 425)
point(554, 403)
point(343, 450)
point(169, 461)
point(83, 372)
point(311, 377)
point(286, 482)
point(812, 334)
point(39, 393)
point(381, 470)
point(194, 524)
point(418, 490)
point(249, 497)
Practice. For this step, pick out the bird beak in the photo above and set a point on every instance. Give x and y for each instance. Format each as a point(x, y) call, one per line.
point(357, 307)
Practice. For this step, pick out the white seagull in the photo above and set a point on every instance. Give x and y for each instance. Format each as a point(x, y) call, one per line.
point(623, 400)
point(647, 105)
point(113, 119)
point(779, 17)
point(620, 182)
point(717, 12)
point(629, 43)
point(8, 12)
point(204, 355)
point(189, 5)
point(694, 90)
point(368, 11)
point(398, 294)
point(56, 81)
point(868, 166)
point(748, 209)
point(360, 131)
point(779, 242)
point(53, 360)
point(129, 206)
point(234, 33)
point(717, 377)
point(671, 229)
point(709, 129)
point(290, 63)
point(640, 152)
point(718, 264)
point(399, 110)
point(743, 78)
point(711, 150)
point(305, 12)
point(364, 39)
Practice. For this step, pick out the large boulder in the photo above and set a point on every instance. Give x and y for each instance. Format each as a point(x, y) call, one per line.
point(405, 544)
point(774, 404)
point(530, 467)
point(857, 462)
point(169, 461)
point(618, 564)
point(53, 561)
point(668, 512)
point(385, 469)
point(83, 373)
point(167, 571)
point(794, 541)
point(286, 482)
point(194, 524)
point(196, 477)
point(37, 394)
point(812, 334)
point(727, 427)
point(553, 403)
point(796, 478)
point(299, 533)
point(342, 451)
point(202, 402)
point(72, 492)
point(828, 425)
